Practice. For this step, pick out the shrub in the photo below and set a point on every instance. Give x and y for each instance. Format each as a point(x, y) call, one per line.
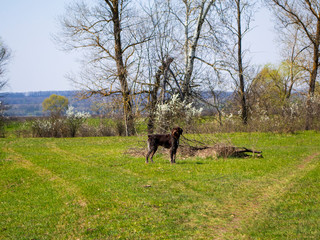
point(41, 128)
point(23, 128)
point(51, 127)
point(75, 120)
point(2, 119)
point(175, 112)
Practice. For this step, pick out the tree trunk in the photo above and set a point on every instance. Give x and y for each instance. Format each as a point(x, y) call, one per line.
point(153, 102)
point(186, 90)
point(163, 70)
point(313, 77)
point(122, 72)
point(312, 84)
point(244, 112)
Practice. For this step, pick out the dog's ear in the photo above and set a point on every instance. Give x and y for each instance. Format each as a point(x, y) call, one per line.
point(176, 134)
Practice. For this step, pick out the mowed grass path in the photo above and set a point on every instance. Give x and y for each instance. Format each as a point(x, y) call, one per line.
point(87, 188)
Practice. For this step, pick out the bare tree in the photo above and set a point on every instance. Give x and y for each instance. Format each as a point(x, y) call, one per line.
point(156, 53)
point(236, 16)
point(5, 55)
point(305, 16)
point(191, 43)
point(163, 70)
point(186, 31)
point(165, 48)
point(189, 18)
point(109, 34)
point(292, 68)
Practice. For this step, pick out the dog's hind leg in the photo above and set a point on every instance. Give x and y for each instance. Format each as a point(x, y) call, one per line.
point(154, 149)
point(150, 150)
point(147, 156)
point(150, 154)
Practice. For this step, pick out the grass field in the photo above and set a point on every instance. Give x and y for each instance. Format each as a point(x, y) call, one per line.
point(87, 188)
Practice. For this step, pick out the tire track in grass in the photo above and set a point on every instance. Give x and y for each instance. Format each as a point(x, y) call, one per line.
point(78, 205)
point(242, 210)
point(244, 213)
point(125, 171)
point(55, 149)
point(77, 158)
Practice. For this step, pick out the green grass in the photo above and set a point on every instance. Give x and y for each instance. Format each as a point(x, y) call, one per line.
point(88, 188)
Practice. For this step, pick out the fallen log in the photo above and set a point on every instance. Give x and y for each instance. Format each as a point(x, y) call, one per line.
point(231, 151)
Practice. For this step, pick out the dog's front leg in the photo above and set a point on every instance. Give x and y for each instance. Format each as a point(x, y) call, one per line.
point(172, 155)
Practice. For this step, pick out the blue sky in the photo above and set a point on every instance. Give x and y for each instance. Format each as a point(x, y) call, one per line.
point(38, 65)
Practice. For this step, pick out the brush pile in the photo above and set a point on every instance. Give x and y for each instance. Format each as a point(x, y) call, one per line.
point(213, 148)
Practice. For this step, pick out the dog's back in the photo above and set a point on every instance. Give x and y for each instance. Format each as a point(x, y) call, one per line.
point(159, 140)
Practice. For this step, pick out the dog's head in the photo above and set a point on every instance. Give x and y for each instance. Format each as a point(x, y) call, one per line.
point(176, 132)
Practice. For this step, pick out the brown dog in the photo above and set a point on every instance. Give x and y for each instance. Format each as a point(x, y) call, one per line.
point(165, 140)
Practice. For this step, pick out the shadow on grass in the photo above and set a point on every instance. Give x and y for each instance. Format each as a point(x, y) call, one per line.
point(190, 162)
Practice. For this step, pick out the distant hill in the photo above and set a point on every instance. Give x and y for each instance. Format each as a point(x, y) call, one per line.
point(30, 103)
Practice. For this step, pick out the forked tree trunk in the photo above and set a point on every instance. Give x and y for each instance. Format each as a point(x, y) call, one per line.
point(153, 102)
point(163, 70)
point(191, 54)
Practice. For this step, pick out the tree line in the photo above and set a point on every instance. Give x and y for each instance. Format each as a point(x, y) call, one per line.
point(160, 49)
point(181, 47)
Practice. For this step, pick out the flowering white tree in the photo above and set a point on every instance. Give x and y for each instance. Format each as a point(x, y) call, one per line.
point(175, 112)
point(75, 120)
